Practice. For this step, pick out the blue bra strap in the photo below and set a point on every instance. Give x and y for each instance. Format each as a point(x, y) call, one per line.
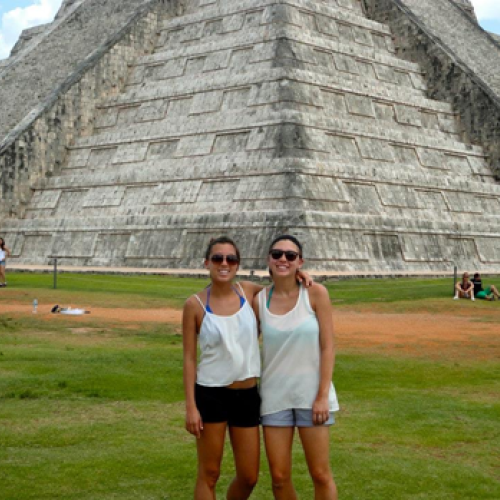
point(207, 307)
point(270, 295)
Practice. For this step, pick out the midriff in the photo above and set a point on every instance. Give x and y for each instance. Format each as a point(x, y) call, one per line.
point(244, 384)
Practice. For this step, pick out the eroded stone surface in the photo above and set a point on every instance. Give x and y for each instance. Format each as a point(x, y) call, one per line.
point(254, 117)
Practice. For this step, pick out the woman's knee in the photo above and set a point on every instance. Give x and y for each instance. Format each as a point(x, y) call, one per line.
point(280, 478)
point(322, 476)
point(248, 480)
point(209, 475)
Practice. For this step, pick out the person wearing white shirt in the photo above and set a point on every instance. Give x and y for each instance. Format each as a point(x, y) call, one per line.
point(221, 388)
point(4, 253)
point(297, 367)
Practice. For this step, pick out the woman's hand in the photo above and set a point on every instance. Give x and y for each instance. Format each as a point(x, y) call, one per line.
point(305, 278)
point(321, 411)
point(194, 424)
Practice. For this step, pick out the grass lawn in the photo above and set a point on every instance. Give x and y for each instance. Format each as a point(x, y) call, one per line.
point(148, 291)
point(94, 409)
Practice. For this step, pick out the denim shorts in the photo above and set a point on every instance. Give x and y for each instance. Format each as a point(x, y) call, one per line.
point(2, 263)
point(294, 417)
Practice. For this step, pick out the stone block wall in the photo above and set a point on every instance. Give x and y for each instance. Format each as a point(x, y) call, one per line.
point(467, 6)
point(255, 117)
point(37, 146)
point(459, 59)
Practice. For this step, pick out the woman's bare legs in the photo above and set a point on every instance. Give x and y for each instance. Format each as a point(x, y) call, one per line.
point(210, 447)
point(246, 450)
point(278, 441)
point(2, 275)
point(316, 444)
point(464, 294)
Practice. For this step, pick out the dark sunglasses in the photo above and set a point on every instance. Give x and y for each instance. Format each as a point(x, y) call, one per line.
point(231, 260)
point(289, 255)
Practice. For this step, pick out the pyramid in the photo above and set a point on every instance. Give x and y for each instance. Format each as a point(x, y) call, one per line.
point(251, 118)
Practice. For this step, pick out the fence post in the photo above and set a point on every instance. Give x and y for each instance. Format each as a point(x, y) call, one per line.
point(55, 274)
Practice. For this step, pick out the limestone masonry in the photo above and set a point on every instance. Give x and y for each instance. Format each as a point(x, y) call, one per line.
point(131, 132)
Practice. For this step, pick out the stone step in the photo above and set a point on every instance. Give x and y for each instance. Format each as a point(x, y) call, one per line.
point(348, 7)
point(134, 141)
point(248, 95)
point(153, 172)
point(252, 194)
point(283, 46)
point(342, 83)
point(363, 199)
point(90, 226)
point(341, 241)
point(166, 186)
point(262, 34)
point(231, 17)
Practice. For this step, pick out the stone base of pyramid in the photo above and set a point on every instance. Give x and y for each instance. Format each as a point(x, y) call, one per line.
point(333, 242)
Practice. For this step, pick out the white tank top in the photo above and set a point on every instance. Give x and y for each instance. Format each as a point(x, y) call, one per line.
point(3, 253)
point(291, 357)
point(229, 347)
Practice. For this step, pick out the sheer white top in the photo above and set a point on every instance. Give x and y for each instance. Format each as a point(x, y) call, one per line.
point(229, 347)
point(290, 357)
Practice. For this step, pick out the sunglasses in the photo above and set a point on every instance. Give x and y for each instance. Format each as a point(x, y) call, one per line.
point(231, 260)
point(289, 255)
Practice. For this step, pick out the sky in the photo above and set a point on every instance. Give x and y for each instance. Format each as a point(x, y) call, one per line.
point(16, 15)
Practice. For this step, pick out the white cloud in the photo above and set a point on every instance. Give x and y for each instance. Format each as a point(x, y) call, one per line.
point(487, 9)
point(16, 20)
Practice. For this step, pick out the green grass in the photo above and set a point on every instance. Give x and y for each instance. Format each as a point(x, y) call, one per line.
point(122, 291)
point(98, 414)
point(94, 411)
point(105, 290)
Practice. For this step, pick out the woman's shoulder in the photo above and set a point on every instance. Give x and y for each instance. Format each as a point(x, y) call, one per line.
point(318, 294)
point(250, 289)
point(194, 301)
point(317, 290)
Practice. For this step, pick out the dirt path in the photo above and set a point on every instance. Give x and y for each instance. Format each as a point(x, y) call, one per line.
point(427, 334)
point(121, 315)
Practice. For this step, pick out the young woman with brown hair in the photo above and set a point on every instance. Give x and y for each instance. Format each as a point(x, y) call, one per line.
point(296, 382)
point(221, 389)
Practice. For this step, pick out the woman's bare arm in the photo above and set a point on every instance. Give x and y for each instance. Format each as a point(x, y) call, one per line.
point(194, 424)
point(255, 307)
point(253, 289)
point(320, 302)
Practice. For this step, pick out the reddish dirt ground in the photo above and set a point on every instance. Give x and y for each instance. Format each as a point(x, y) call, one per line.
point(415, 334)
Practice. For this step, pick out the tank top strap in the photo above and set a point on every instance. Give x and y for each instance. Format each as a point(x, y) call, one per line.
point(201, 302)
point(304, 298)
point(241, 290)
point(262, 304)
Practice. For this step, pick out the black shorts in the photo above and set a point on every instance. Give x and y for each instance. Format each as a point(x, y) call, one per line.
point(237, 407)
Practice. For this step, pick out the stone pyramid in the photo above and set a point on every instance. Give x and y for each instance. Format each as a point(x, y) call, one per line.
point(251, 118)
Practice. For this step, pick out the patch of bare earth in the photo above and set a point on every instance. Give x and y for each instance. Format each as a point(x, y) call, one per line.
point(428, 334)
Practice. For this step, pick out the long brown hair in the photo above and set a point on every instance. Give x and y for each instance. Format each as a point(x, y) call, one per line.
point(222, 240)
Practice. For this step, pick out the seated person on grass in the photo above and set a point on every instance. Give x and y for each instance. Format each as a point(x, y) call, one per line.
point(464, 289)
point(488, 293)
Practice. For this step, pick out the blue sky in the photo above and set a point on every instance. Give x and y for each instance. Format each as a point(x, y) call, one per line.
point(16, 15)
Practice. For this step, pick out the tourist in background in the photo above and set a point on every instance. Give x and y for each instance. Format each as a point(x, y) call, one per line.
point(4, 253)
point(296, 382)
point(465, 288)
point(488, 293)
